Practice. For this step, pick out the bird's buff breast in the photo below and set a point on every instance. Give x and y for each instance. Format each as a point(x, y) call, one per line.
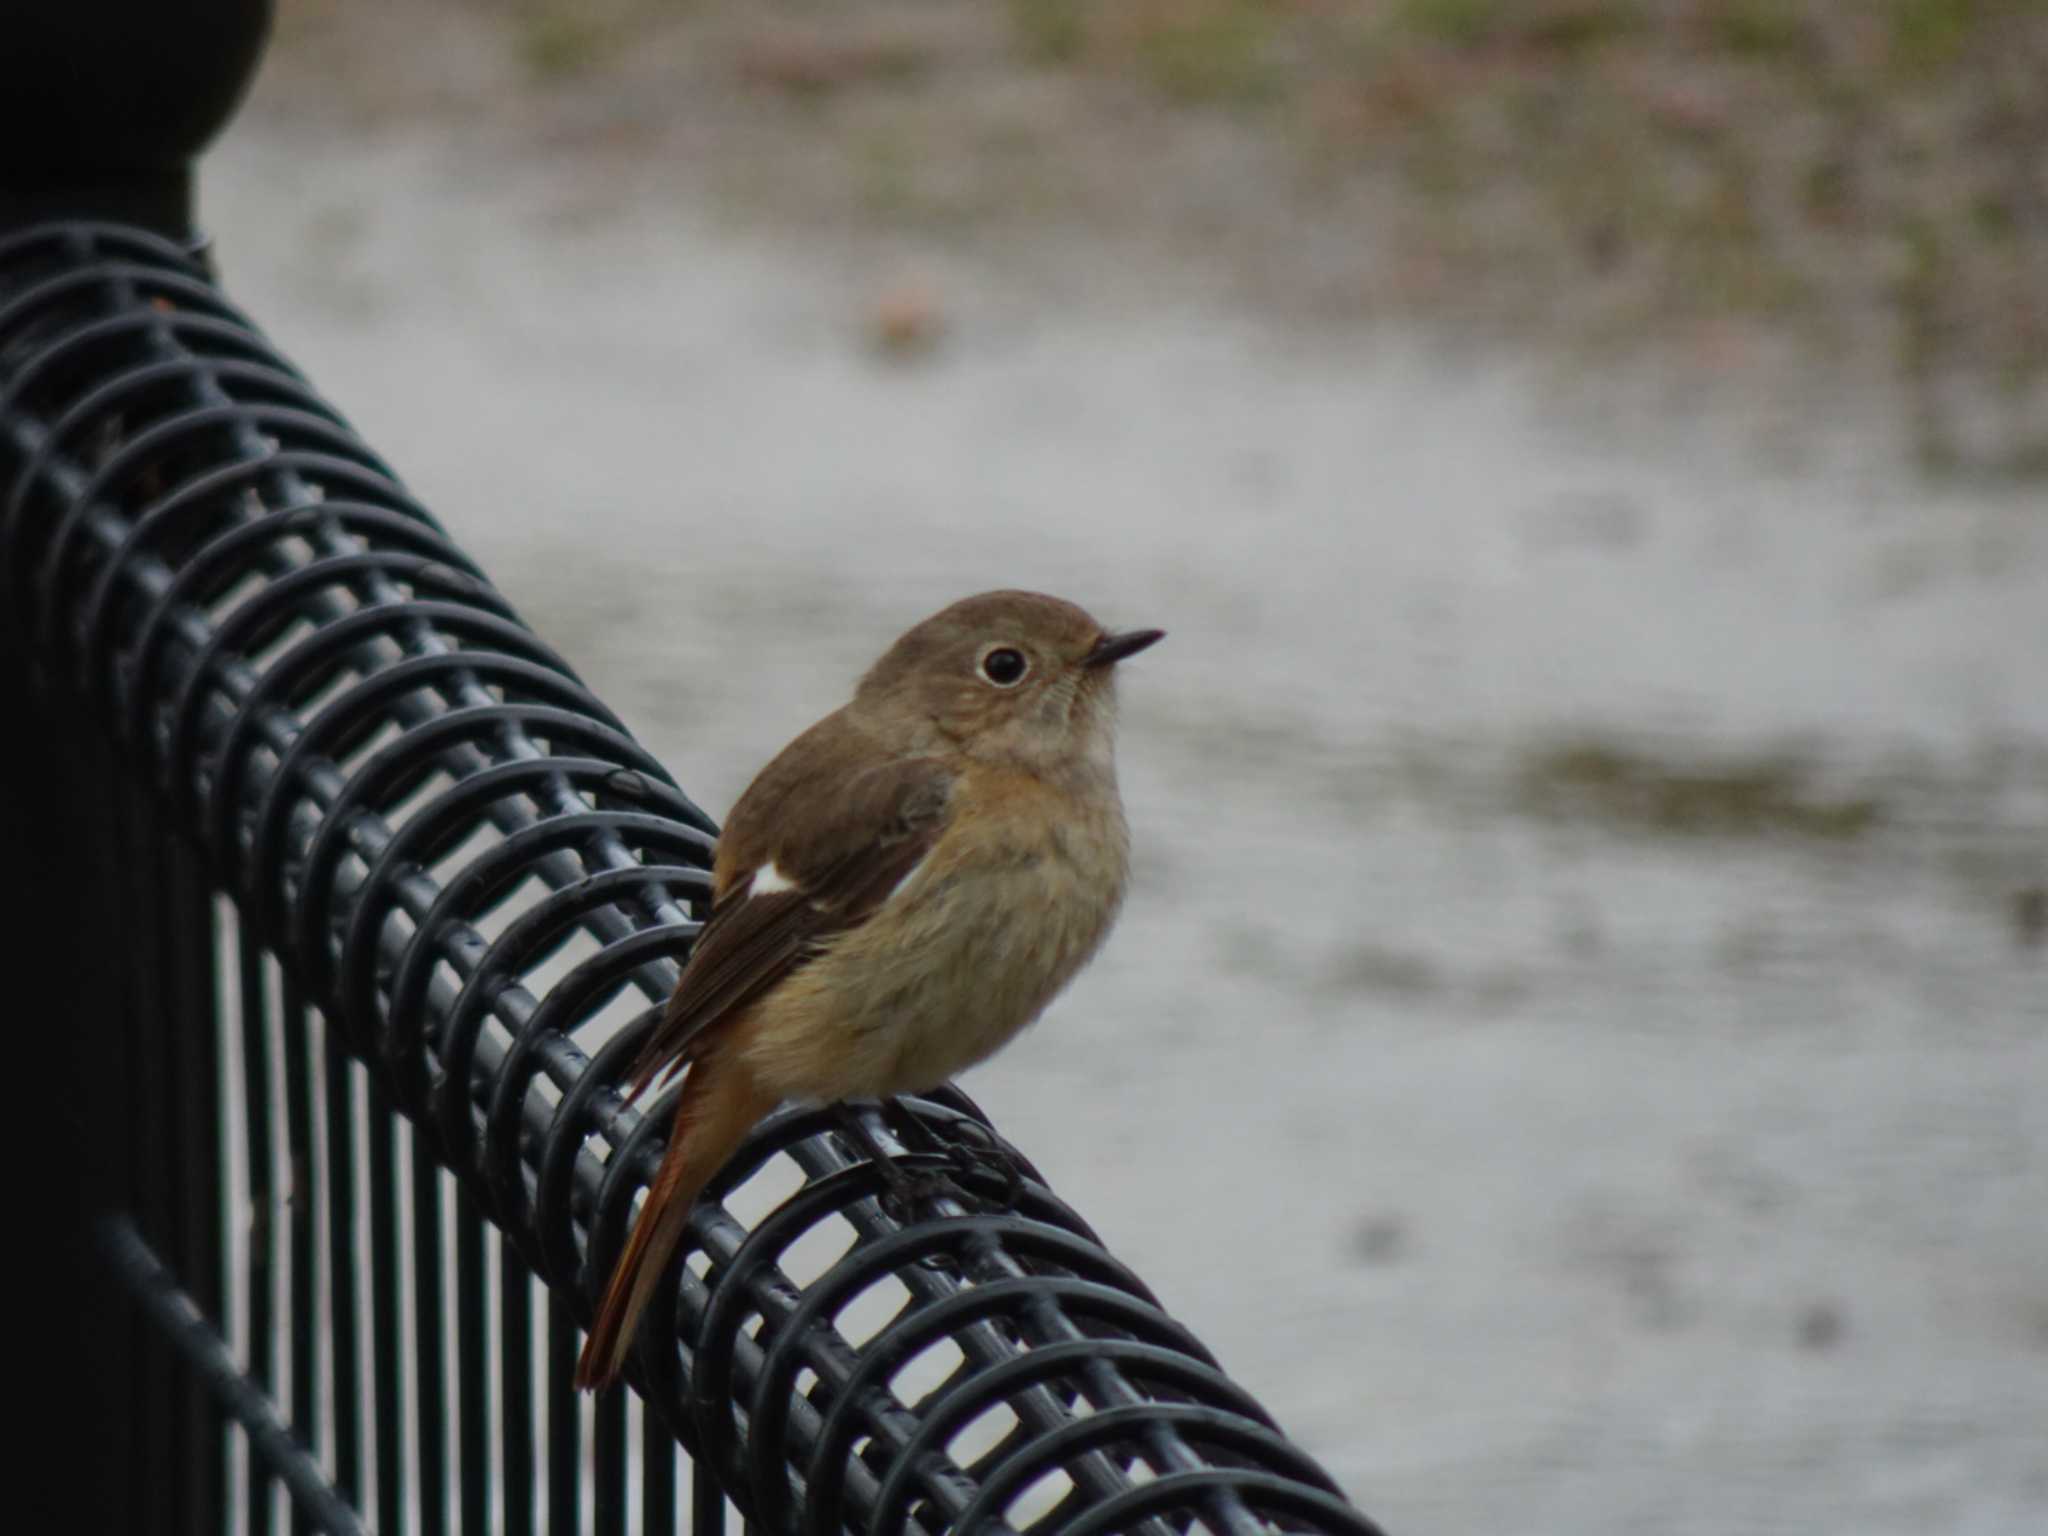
point(979, 938)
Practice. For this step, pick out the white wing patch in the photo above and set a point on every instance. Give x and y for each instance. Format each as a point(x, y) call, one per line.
point(913, 872)
point(769, 881)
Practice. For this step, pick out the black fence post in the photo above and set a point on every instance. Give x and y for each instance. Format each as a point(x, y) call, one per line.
point(64, 1026)
point(104, 105)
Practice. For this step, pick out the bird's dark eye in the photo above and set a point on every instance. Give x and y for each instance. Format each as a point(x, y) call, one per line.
point(1004, 666)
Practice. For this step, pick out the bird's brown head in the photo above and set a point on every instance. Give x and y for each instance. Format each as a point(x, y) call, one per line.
point(1011, 676)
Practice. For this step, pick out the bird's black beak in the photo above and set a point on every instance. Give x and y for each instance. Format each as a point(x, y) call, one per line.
point(1112, 648)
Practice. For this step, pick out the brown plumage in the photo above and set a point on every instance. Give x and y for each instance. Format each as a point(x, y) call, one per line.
point(898, 893)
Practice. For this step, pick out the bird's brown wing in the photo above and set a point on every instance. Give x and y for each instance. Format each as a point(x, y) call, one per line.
point(845, 847)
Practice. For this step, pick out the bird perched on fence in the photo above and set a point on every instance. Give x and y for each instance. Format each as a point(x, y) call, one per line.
point(903, 889)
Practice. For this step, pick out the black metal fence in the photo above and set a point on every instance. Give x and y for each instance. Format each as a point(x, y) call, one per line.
point(359, 903)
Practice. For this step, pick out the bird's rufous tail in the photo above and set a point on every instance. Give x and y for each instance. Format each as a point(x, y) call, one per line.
point(720, 1104)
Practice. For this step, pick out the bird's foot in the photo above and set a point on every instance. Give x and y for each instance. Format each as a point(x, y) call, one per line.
point(913, 1196)
point(983, 1168)
point(977, 1172)
point(905, 1190)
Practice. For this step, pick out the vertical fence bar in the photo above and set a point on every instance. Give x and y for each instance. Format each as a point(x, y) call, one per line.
point(260, 1273)
point(707, 1502)
point(608, 1465)
point(472, 1325)
point(342, 1228)
point(167, 1442)
point(515, 1365)
point(188, 936)
point(561, 1411)
point(430, 1374)
point(387, 1315)
point(301, 1208)
point(657, 1474)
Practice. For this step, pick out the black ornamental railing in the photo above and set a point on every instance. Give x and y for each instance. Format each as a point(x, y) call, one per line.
point(358, 904)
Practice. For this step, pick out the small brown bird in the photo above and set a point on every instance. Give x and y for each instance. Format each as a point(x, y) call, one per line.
point(903, 889)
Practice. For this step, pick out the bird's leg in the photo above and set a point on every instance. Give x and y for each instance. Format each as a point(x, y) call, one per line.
point(985, 1176)
point(985, 1166)
point(906, 1191)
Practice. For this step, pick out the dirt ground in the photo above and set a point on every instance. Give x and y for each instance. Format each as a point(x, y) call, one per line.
point(1792, 195)
point(1576, 1048)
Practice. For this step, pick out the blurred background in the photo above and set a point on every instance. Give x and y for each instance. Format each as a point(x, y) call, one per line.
point(1577, 1048)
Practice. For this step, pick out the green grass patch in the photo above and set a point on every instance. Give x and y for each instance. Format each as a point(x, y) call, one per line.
point(1775, 796)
